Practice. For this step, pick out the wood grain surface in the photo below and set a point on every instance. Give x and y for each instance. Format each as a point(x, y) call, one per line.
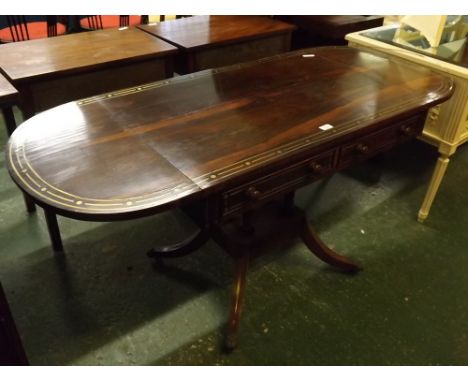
point(145, 149)
point(198, 32)
point(56, 56)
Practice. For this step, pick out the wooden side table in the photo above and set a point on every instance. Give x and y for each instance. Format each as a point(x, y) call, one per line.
point(328, 29)
point(49, 72)
point(213, 41)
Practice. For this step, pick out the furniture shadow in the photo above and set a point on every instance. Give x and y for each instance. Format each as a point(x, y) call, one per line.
point(104, 286)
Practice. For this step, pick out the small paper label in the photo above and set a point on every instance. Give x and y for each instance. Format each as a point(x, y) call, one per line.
point(308, 55)
point(326, 127)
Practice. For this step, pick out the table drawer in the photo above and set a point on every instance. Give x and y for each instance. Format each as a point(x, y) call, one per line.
point(276, 183)
point(380, 141)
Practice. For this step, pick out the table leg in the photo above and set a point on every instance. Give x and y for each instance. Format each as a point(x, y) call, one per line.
point(436, 180)
point(30, 206)
point(288, 207)
point(320, 249)
point(10, 123)
point(238, 243)
point(191, 63)
point(54, 231)
point(27, 102)
point(185, 247)
point(238, 291)
point(169, 67)
point(9, 119)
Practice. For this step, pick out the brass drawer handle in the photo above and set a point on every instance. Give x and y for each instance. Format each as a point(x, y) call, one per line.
point(253, 193)
point(407, 130)
point(316, 167)
point(362, 148)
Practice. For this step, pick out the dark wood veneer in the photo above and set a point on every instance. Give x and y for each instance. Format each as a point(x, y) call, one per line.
point(52, 71)
point(144, 149)
point(214, 41)
point(197, 32)
point(221, 143)
point(77, 52)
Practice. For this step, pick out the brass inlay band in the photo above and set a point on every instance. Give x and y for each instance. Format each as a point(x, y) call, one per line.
point(59, 196)
point(80, 203)
point(17, 157)
point(120, 93)
point(282, 151)
point(138, 199)
point(158, 84)
point(109, 204)
point(32, 179)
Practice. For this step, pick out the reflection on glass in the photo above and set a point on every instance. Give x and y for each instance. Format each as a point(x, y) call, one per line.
point(444, 37)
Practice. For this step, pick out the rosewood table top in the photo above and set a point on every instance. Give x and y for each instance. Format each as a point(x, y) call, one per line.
point(197, 32)
point(141, 150)
point(55, 56)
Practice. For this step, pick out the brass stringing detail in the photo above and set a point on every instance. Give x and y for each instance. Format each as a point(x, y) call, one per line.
point(294, 146)
point(158, 84)
point(42, 189)
point(62, 198)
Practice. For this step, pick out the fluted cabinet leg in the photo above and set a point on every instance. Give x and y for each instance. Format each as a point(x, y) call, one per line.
point(436, 180)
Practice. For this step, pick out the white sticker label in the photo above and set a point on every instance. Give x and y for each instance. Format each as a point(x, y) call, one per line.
point(308, 55)
point(326, 127)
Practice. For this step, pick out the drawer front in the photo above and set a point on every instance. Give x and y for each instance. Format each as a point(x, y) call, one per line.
point(276, 183)
point(371, 144)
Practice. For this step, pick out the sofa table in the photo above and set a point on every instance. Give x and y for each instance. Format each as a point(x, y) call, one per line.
point(220, 144)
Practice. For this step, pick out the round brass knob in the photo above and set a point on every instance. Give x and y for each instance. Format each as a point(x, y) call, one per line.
point(316, 167)
point(407, 130)
point(253, 193)
point(362, 148)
